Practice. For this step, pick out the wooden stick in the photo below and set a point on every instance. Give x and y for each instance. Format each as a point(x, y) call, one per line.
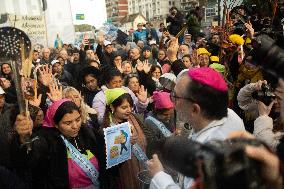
point(181, 31)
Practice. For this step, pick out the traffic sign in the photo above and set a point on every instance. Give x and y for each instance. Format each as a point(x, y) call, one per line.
point(80, 17)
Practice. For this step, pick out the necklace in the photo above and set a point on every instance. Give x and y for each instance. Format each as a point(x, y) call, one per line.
point(75, 141)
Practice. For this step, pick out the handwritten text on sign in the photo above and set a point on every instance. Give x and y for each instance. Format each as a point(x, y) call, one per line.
point(33, 26)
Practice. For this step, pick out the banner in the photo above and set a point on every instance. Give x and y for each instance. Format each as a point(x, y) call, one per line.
point(33, 26)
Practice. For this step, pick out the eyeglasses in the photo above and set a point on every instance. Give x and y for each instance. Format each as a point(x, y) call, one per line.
point(174, 97)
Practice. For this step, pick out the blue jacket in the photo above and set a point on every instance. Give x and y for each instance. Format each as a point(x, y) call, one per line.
point(141, 35)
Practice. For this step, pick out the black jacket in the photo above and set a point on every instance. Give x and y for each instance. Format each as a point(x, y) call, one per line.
point(175, 23)
point(48, 162)
point(7, 118)
point(105, 58)
point(66, 78)
point(74, 69)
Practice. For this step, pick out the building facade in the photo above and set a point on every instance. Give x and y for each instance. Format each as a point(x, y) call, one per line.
point(131, 21)
point(187, 5)
point(116, 10)
point(152, 10)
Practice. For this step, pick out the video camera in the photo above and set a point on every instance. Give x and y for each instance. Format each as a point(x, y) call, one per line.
point(264, 95)
point(269, 55)
point(219, 164)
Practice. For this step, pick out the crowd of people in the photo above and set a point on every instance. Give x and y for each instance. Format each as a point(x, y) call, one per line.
point(191, 87)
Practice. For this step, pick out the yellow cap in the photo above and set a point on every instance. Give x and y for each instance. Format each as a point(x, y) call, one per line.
point(214, 59)
point(236, 39)
point(203, 51)
point(248, 40)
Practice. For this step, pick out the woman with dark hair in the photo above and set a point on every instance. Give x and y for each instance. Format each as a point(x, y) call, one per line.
point(162, 58)
point(116, 61)
point(156, 72)
point(119, 109)
point(65, 155)
point(90, 78)
point(113, 79)
point(6, 71)
point(186, 60)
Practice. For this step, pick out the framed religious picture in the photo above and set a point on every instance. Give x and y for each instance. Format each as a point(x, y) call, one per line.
point(29, 88)
point(118, 146)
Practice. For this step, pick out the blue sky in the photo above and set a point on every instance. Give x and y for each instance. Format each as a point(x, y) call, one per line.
point(94, 11)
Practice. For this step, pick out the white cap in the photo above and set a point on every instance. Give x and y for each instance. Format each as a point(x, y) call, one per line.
point(54, 62)
point(152, 42)
point(106, 43)
point(1, 91)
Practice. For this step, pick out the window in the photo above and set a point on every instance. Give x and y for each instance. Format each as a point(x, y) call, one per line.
point(210, 12)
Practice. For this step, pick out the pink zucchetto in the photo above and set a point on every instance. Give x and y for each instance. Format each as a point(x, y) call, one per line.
point(162, 100)
point(209, 77)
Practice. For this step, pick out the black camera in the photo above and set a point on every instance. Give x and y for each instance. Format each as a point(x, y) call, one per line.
point(219, 164)
point(264, 95)
point(266, 53)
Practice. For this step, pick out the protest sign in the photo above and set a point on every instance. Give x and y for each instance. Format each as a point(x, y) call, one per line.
point(118, 147)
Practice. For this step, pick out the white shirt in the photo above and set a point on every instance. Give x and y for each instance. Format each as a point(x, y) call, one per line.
point(216, 130)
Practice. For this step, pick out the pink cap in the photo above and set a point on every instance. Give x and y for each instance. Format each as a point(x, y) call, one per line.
point(162, 100)
point(48, 119)
point(210, 77)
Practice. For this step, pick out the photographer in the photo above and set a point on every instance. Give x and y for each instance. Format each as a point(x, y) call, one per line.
point(267, 124)
point(175, 18)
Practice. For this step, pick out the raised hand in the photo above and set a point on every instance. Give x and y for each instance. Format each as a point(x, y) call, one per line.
point(139, 65)
point(118, 66)
point(174, 44)
point(154, 165)
point(101, 39)
point(146, 66)
point(36, 101)
point(250, 30)
point(46, 75)
point(142, 94)
point(194, 58)
point(258, 85)
point(71, 59)
point(55, 92)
